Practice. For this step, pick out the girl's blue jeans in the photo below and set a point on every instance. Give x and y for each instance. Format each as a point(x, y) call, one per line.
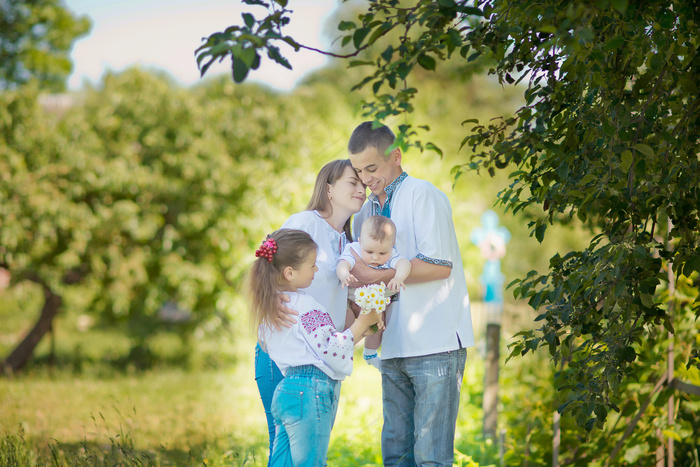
point(267, 376)
point(304, 407)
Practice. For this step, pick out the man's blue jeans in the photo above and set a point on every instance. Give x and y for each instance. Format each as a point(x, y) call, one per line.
point(304, 408)
point(267, 376)
point(421, 401)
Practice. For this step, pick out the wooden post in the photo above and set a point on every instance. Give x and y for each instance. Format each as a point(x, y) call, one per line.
point(490, 404)
point(491, 239)
point(671, 310)
point(660, 449)
point(556, 439)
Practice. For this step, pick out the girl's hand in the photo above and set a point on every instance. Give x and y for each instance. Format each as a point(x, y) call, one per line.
point(368, 319)
point(380, 326)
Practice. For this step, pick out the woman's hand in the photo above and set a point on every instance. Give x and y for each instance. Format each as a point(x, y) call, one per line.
point(285, 315)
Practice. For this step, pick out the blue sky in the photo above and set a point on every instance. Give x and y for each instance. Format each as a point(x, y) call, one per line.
point(164, 34)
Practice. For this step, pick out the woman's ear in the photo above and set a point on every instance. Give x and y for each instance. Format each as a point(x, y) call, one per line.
point(288, 273)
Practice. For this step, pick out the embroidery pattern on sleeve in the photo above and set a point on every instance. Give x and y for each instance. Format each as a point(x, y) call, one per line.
point(440, 262)
point(314, 319)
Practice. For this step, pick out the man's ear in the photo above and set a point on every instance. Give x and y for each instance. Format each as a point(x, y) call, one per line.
point(395, 157)
point(288, 273)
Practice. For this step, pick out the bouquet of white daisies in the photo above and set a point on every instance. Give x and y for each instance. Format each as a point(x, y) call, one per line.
point(372, 298)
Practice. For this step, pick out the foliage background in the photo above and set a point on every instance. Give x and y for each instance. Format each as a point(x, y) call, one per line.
point(149, 193)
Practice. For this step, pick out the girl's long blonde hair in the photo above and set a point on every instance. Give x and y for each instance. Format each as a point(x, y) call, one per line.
point(265, 277)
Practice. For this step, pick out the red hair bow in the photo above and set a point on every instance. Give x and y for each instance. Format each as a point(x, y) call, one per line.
point(267, 249)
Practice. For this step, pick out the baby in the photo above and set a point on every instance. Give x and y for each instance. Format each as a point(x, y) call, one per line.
point(376, 249)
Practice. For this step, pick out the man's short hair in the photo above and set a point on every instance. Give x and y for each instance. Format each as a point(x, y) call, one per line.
point(365, 136)
point(380, 227)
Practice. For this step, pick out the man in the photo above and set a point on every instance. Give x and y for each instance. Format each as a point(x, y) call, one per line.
point(429, 328)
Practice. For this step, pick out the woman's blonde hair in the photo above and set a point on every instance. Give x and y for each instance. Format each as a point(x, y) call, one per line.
point(329, 174)
point(265, 277)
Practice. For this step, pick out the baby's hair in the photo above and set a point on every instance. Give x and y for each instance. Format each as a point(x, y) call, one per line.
point(379, 228)
point(265, 277)
point(365, 136)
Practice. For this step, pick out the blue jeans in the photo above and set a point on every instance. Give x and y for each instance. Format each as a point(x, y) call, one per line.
point(421, 401)
point(304, 408)
point(267, 376)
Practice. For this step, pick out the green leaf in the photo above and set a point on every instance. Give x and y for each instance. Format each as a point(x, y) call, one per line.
point(668, 325)
point(248, 56)
point(689, 85)
point(388, 53)
point(539, 231)
point(586, 34)
point(635, 452)
point(470, 10)
point(203, 69)
point(249, 20)
point(291, 42)
point(426, 62)
point(613, 43)
point(601, 412)
point(629, 355)
point(668, 433)
point(358, 36)
point(666, 19)
point(619, 5)
point(691, 264)
point(644, 149)
point(626, 159)
point(346, 25)
point(433, 147)
point(239, 68)
point(274, 54)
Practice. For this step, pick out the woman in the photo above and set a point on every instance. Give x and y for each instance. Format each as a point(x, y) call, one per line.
point(338, 194)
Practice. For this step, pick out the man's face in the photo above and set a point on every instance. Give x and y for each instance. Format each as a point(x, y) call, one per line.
point(375, 252)
point(376, 171)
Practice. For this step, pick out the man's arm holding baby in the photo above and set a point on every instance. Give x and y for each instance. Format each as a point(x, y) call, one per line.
point(365, 274)
point(422, 271)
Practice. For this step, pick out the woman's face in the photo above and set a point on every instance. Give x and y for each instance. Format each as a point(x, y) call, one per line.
point(347, 192)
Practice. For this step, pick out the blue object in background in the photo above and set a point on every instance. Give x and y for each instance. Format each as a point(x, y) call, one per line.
point(491, 239)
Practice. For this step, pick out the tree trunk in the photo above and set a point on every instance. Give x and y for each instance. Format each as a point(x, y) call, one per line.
point(20, 356)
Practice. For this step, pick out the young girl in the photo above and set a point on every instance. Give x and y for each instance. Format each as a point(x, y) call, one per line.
point(312, 355)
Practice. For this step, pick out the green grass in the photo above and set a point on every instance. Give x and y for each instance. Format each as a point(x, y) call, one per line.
point(176, 417)
point(85, 409)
